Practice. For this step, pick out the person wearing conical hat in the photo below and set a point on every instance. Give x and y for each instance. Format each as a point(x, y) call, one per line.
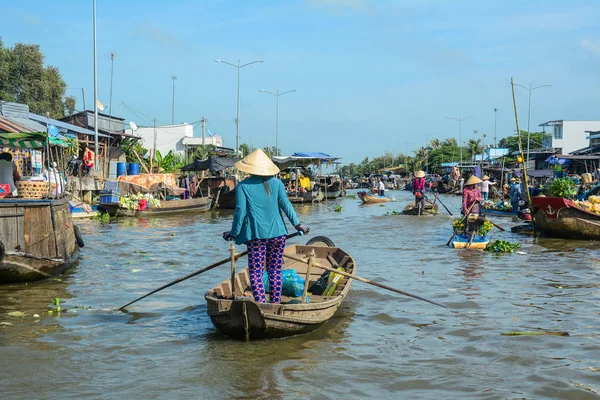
point(471, 196)
point(258, 222)
point(485, 187)
point(419, 185)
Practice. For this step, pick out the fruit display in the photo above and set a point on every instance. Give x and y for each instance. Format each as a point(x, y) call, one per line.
point(132, 202)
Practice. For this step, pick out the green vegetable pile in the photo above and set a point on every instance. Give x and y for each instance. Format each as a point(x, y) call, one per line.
point(562, 187)
point(502, 246)
point(132, 202)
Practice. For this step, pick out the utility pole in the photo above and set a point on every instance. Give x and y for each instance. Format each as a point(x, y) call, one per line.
point(112, 63)
point(495, 115)
point(173, 103)
point(203, 120)
point(96, 149)
point(83, 98)
point(153, 147)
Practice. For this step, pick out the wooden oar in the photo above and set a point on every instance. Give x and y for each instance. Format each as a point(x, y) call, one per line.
point(200, 271)
point(358, 278)
point(438, 199)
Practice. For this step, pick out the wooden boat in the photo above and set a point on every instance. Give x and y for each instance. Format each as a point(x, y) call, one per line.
point(478, 242)
point(200, 204)
point(430, 209)
point(368, 199)
point(308, 197)
point(498, 213)
point(38, 239)
point(561, 218)
point(243, 318)
point(224, 188)
point(334, 190)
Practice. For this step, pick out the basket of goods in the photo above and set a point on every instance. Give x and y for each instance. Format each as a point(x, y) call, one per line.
point(591, 205)
point(34, 189)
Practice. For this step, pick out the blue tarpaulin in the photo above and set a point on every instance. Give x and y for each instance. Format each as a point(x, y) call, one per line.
point(555, 160)
point(321, 156)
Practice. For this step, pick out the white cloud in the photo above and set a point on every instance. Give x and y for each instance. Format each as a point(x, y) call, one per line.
point(590, 45)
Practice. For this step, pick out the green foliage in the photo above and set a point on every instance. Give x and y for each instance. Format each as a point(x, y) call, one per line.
point(55, 309)
point(24, 79)
point(70, 102)
point(562, 187)
point(130, 147)
point(102, 217)
point(512, 142)
point(394, 212)
point(501, 246)
point(338, 208)
point(351, 196)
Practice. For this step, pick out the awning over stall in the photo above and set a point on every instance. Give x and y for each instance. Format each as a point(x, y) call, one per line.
point(213, 164)
point(303, 159)
point(33, 140)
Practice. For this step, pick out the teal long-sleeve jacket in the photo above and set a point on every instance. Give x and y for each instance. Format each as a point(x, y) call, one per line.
point(257, 214)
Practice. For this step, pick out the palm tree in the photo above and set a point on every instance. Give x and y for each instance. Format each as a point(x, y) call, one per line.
point(450, 142)
point(474, 147)
point(435, 144)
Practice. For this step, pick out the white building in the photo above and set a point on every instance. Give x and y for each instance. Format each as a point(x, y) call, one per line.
point(569, 136)
point(215, 140)
point(168, 137)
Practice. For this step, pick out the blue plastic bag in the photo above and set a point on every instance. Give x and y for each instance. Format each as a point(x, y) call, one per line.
point(292, 283)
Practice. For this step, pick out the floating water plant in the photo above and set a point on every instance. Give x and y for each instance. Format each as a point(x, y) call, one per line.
point(502, 246)
point(338, 208)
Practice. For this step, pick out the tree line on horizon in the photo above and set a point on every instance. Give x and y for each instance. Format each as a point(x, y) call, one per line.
point(437, 152)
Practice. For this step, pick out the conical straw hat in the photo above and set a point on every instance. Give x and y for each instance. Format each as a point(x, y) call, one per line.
point(473, 180)
point(420, 174)
point(257, 163)
point(486, 178)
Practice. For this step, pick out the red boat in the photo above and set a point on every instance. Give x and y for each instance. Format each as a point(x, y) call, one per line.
point(561, 218)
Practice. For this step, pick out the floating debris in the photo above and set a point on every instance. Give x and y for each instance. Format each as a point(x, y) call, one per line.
point(535, 333)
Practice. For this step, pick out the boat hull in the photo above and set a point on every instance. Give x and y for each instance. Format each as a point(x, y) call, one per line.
point(411, 209)
point(560, 218)
point(368, 199)
point(38, 240)
point(496, 213)
point(201, 204)
point(478, 242)
point(243, 318)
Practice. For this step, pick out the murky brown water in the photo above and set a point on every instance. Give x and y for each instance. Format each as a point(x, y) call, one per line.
point(379, 343)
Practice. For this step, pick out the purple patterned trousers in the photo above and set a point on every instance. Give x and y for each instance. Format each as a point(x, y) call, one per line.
point(272, 251)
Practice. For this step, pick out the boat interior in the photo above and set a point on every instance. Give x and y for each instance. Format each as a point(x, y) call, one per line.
point(332, 257)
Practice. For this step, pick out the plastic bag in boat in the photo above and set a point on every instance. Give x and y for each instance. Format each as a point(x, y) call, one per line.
point(291, 283)
point(319, 286)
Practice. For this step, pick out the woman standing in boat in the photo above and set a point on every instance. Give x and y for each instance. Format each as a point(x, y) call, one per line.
point(419, 184)
point(471, 196)
point(259, 224)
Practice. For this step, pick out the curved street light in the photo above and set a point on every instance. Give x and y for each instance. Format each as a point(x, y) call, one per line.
point(277, 94)
point(460, 120)
point(237, 118)
point(531, 89)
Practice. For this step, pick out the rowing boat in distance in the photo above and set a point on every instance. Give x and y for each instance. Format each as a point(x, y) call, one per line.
point(198, 205)
point(240, 317)
point(368, 199)
point(430, 209)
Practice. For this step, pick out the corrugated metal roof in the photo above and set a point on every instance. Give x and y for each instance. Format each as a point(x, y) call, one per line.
point(11, 126)
point(64, 125)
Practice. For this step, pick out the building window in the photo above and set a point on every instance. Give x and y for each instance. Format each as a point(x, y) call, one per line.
point(558, 132)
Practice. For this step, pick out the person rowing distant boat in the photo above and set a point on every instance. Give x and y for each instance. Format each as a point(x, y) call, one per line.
point(471, 196)
point(419, 185)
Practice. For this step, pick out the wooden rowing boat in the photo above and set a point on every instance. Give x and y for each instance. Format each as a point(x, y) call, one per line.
point(243, 318)
point(200, 204)
point(462, 241)
point(38, 239)
point(368, 199)
point(561, 218)
point(430, 209)
point(498, 213)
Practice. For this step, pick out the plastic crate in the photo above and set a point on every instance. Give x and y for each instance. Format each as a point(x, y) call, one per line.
point(108, 198)
point(112, 186)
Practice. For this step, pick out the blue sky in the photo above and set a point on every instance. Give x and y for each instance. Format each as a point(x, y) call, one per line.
point(371, 76)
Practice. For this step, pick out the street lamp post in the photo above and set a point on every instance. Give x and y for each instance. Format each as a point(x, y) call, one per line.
point(237, 118)
point(173, 101)
point(427, 150)
point(531, 89)
point(277, 94)
point(460, 120)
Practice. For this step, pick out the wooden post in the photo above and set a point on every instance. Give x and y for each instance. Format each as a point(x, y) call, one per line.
point(311, 261)
point(232, 251)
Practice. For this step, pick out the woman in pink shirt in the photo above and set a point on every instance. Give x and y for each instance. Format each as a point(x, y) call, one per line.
point(419, 184)
point(471, 196)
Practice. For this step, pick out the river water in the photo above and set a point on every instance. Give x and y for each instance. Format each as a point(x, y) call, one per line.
point(378, 344)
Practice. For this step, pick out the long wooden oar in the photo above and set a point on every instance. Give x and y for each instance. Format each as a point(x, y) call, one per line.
point(358, 278)
point(200, 271)
point(438, 199)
